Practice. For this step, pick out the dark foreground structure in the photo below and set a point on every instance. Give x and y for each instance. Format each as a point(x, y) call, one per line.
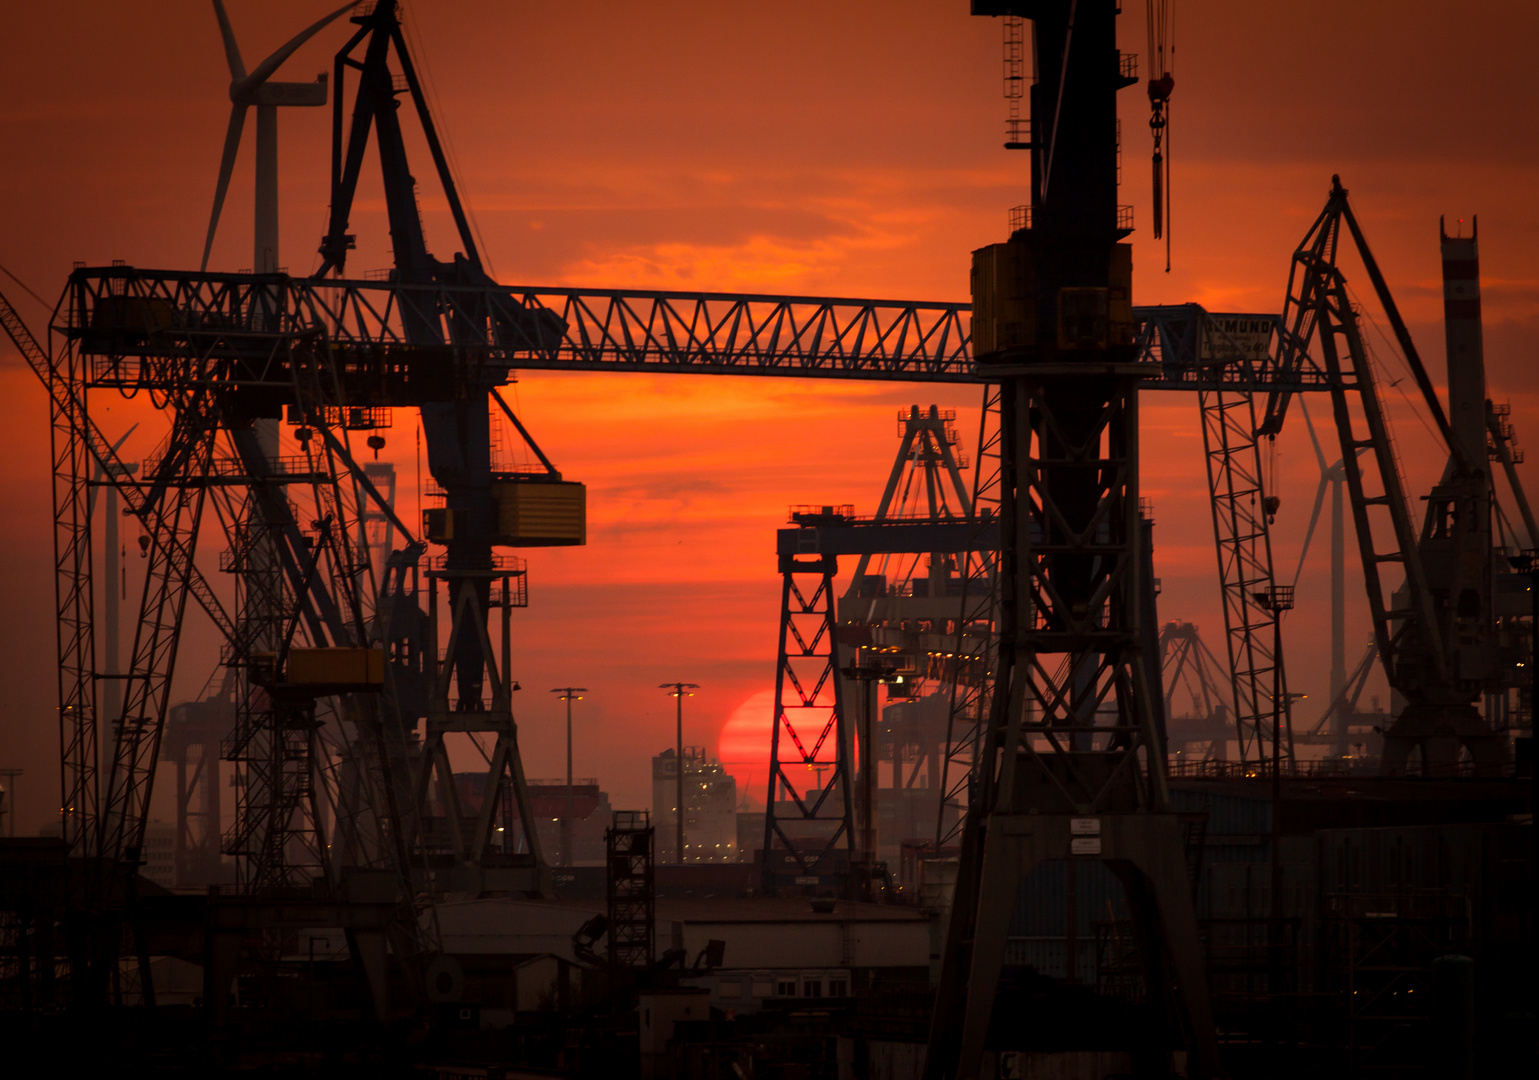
point(1402, 949)
point(1091, 904)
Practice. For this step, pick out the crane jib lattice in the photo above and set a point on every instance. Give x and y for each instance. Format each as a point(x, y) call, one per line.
point(138, 317)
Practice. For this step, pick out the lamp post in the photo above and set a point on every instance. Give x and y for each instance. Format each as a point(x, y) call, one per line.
point(1275, 600)
point(568, 694)
point(679, 691)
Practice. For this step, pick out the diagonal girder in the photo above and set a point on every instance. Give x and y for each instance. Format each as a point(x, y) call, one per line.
point(137, 732)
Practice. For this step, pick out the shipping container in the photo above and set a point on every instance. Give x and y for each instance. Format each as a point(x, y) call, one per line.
point(336, 667)
point(1004, 288)
point(541, 513)
point(439, 523)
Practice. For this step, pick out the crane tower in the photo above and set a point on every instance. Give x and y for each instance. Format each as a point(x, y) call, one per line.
point(1072, 761)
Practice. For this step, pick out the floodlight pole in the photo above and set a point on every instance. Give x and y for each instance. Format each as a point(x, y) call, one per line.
point(679, 691)
point(568, 694)
point(1275, 600)
point(867, 676)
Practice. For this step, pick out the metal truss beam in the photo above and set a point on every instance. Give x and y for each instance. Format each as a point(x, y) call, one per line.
point(1241, 518)
point(887, 538)
point(375, 328)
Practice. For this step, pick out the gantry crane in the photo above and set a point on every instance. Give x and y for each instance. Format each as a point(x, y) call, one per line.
point(832, 652)
point(1188, 667)
point(1436, 632)
point(1071, 761)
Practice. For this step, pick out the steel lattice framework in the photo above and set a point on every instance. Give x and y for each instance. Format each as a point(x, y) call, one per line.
point(974, 650)
point(1437, 651)
point(811, 733)
point(1226, 359)
point(888, 626)
point(220, 347)
point(1071, 758)
point(184, 335)
point(1187, 667)
point(1241, 520)
point(365, 327)
point(180, 333)
point(209, 457)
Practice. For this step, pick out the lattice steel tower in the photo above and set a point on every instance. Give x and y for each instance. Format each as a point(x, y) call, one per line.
point(1071, 763)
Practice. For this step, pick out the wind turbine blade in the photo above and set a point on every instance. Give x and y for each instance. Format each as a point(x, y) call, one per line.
point(101, 473)
point(265, 69)
point(226, 167)
point(1314, 441)
point(1309, 533)
point(231, 50)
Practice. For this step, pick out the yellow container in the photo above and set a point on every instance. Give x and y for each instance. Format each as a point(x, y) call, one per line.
point(541, 513)
point(438, 524)
point(336, 667)
point(1004, 287)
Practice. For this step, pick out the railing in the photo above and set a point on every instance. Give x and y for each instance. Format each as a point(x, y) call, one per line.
point(821, 515)
point(577, 782)
point(227, 468)
point(511, 565)
point(1437, 904)
point(1179, 767)
point(348, 417)
point(1020, 217)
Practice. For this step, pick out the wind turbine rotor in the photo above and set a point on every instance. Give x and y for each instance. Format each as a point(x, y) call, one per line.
point(243, 85)
point(253, 88)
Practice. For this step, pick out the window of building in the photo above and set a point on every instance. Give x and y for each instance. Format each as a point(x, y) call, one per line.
point(812, 988)
point(838, 988)
point(763, 987)
point(785, 988)
point(729, 988)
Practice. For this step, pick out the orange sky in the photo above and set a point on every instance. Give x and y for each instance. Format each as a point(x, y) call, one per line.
point(827, 149)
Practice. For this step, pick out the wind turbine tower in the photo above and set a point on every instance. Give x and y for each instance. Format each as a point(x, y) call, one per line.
point(258, 89)
point(1332, 478)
